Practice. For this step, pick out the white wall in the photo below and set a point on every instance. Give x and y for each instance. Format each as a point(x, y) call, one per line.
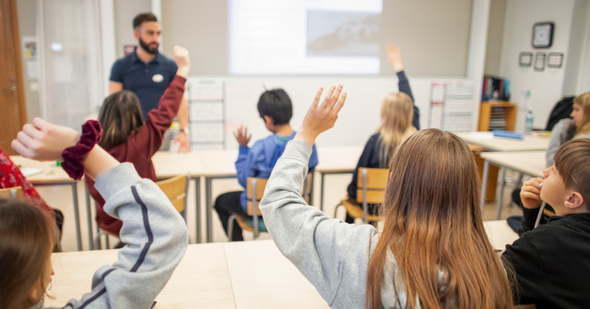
point(357, 121)
point(547, 86)
point(125, 11)
point(577, 42)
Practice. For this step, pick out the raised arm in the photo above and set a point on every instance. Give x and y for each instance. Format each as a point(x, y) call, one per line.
point(313, 242)
point(154, 232)
point(161, 118)
point(394, 57)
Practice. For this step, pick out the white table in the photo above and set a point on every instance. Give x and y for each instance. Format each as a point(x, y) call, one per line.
point(336, 160)
point(252, 274)
point(171, 164)
point(527, 162)
point(488, 141)
point(53, 175)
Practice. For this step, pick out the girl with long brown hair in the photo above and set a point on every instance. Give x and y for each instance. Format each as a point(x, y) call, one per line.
point(433, 251)
point(399, 119)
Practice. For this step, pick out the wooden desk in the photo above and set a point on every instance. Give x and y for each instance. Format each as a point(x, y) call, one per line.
point(488, 141)
point(252, 274)
point(336, 160)
point(53, 175)
point(527, 162)
point(171, 164)
point(201, 280)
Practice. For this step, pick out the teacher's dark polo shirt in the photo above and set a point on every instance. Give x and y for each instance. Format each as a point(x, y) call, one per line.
point(147, 80)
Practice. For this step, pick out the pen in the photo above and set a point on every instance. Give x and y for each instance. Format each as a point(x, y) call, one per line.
point(540, 210)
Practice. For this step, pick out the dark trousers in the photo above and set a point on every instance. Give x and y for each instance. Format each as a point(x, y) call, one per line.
point(227, 204)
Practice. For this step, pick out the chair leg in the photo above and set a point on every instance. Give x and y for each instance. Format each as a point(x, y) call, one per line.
point(230, 227)
point(336, 209)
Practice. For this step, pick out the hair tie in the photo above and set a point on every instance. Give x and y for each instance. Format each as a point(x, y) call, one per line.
point(73, 157)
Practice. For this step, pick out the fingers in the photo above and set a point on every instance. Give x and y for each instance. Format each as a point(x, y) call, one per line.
point(531, 189)
point(317, 97)
point(25, 139)
point(31, 131)
point(22, 149)
point(40, 123)
point(335, 97)
point(328, 96)
point(340, 103)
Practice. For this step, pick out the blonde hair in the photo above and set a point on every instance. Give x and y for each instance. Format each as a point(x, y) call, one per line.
point(583, 101)
point(397, 112)
point(433, 223)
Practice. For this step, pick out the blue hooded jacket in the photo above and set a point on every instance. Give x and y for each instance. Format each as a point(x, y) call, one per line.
point(260, 159)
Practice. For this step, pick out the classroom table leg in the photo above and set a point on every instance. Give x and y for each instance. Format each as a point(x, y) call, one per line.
point(77, 215)
point(501, 193)
point(484, 184)
point(209, 205)
point(198, 207)
point(89, 218)
point(322, 191)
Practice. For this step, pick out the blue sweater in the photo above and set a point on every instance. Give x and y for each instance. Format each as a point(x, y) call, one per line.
point(260, 159)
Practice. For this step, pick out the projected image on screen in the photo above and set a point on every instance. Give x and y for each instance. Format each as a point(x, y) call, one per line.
point(337, 33)
point(304, 36)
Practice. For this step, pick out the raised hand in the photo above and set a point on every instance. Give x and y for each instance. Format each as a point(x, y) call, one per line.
point(394, 57)
point(530, 193)
point(182, 61)
point(242, 136)
point(44, 141)
point(321, 117)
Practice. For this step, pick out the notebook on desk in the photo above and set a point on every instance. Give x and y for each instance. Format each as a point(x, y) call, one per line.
point(30, 171)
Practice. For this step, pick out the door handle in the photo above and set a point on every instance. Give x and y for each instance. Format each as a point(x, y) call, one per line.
point(10, 90)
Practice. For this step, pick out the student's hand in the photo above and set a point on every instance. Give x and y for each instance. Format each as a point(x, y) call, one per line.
point(530, 193)
point(182, 61)
point(242, 136)
point(394, 57)
point(320, 118)
point(44, 141)
point(182, 140)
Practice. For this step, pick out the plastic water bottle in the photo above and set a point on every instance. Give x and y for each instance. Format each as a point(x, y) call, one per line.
point(528, 129)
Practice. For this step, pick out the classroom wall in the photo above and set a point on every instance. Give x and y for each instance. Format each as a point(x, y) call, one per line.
point(547, 86)
point(125, 11)
point(579, 38)
point(495, 37)
point(27, 26)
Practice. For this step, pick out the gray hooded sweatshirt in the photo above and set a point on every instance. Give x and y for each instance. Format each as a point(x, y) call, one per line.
point(156, 238)
point(331, 254)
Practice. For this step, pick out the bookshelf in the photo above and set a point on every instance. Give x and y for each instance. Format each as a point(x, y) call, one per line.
point(497, 115)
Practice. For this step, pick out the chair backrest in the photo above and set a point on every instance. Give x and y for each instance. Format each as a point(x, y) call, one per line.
point(259, 184)
point(371, 185)
point(14, 192)
point(176, 189)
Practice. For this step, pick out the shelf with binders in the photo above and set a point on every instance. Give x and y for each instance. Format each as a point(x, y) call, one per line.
point(497, 115)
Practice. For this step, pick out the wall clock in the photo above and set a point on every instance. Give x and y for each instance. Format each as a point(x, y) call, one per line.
point(543, 34)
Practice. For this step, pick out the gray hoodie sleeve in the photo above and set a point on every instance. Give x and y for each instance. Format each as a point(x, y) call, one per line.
point(558, 137)
point(156, 238)
point(331, 254)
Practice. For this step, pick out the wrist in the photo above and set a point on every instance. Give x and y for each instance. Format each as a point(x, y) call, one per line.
point(183, 71)
point(305, 136)
point(398, 67)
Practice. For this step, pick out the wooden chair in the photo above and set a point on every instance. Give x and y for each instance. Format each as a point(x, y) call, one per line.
point(255, 192)
point(14, 192)
point(175, 188)
point(370, 190)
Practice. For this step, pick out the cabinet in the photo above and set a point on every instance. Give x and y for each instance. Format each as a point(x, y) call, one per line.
point(497, 115)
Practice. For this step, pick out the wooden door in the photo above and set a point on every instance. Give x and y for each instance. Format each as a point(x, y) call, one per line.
point(12, 97)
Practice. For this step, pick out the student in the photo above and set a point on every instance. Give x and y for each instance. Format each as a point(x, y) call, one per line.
point(433, 251)
point(154, 231)
point(566, 129)
point(128, 139)
point(551, 261)
point(398, 113)
point(274, 107)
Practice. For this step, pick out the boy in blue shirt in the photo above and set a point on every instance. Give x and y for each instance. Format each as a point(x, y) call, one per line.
point(275, 108)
